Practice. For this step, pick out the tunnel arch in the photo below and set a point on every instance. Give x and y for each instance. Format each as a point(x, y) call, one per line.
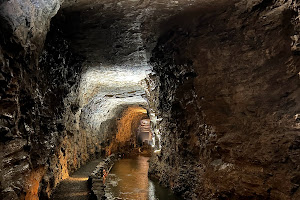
point(127, 124)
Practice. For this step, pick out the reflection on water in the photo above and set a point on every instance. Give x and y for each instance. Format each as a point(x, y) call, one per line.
point(129, 180)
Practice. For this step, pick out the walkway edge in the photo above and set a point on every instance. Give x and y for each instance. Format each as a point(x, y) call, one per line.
point(96, 182)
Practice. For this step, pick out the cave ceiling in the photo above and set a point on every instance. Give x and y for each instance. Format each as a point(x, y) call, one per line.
point(122, 32)
point(116, 38)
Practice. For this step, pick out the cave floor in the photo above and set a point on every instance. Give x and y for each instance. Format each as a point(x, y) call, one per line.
point(76, 186)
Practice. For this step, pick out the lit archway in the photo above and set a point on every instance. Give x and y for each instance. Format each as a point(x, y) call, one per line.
point(127, 126)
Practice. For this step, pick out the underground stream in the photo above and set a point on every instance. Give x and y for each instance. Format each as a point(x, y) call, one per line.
point(129, 179)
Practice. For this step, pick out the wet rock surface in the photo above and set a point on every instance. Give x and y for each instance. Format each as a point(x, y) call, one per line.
point(228, 86)
point(222, 91)
point(22, 113)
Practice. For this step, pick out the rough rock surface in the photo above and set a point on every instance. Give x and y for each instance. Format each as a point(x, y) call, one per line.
point(23, 114)
point(228, 89)
point(222, 95)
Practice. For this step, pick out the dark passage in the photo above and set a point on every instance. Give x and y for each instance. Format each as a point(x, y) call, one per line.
point(128, 179)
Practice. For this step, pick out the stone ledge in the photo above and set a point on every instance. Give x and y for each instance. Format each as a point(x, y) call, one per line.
point(95, 180)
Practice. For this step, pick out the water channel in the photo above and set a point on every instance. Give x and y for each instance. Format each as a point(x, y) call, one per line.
point(128, 180)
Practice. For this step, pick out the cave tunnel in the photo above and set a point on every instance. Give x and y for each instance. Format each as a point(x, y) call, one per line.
point(209, 89)
point(127, 137)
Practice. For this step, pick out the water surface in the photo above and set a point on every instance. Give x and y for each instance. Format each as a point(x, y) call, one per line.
point(128, 180)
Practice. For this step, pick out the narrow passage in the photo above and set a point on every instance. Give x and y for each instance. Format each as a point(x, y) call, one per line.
point(76, 187)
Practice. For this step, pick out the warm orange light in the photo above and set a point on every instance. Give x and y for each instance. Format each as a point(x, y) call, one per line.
point(127, 123)
point(77, 179)
point(34, 180)
point(127, 127)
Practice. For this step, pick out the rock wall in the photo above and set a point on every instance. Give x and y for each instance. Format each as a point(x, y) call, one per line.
point(40, 139)
point(68, 146)
point(228, 88)
point(22, 32)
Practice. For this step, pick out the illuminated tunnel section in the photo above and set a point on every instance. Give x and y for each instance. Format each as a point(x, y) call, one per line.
point(128, 124)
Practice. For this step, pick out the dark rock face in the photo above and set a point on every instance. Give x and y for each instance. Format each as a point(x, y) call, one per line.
point(60, 70)
point(228, 84)
point(36, 152)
